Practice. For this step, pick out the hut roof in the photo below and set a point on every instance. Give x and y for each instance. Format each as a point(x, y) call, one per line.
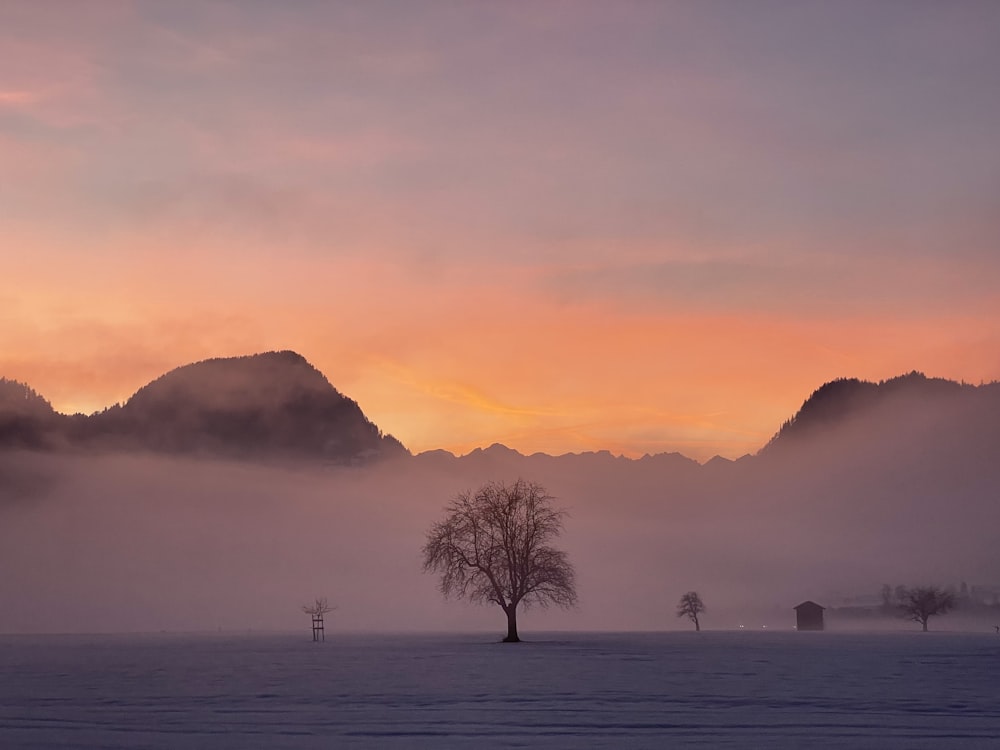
point(808, 604)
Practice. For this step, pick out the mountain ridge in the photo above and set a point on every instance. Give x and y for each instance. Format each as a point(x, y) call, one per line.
point(277, 404)
point(258, 406)
point(909, 400)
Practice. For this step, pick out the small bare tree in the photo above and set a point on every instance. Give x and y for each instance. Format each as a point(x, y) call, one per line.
point(494, 546)
point(317, 610)
point(922, 602)
point(690, 606)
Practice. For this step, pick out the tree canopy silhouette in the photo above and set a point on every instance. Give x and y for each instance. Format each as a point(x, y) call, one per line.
point(494, 546)
point(690, 606)
point(922, 602)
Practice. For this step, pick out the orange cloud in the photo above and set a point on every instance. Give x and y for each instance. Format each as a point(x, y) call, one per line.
point(15, 99)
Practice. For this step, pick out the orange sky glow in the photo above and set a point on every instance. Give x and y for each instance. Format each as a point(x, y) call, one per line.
point(646, 228)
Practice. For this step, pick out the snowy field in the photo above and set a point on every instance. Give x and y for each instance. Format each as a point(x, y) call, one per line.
point(681, 689)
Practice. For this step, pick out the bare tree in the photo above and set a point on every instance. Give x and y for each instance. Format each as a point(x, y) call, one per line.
point(922, 602)
point(493, 546)
point(690, 606)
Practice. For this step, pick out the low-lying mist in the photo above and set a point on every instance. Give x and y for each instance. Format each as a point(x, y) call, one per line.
point(143, 543)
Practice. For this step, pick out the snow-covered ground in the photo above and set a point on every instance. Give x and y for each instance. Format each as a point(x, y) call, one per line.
point(680, 689)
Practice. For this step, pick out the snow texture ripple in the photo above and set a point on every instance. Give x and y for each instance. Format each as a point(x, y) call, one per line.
point(709, 690)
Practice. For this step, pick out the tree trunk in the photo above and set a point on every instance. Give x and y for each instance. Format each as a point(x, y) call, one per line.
point(924, 623)
point(697, 626)
point(511, 625)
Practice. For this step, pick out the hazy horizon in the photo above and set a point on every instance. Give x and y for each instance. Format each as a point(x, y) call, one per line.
point(138, 541)
point(387, 429)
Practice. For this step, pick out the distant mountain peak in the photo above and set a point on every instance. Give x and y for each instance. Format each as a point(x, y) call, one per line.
point(499, 449)
point(229, 382)
point(838, 401)
point(274, 404)
point(25, 417)
point(19, 398)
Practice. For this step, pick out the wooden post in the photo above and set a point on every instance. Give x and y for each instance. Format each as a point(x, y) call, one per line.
point(316, 610)
point(318, 632)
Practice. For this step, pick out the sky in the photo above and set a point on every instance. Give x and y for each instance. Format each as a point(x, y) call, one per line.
point(563, 226)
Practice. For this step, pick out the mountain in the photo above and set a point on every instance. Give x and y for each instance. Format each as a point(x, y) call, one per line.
point(25, 417)
point(845, 422)
point(894, 410)
point(271, 405)
point(277, 405)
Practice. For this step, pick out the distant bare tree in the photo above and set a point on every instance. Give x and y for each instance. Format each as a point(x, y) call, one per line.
point(493, 546)
point(690, 606)
point(922, 602)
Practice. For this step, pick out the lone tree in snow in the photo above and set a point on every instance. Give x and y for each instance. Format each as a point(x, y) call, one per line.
point(494, 546)
point(690, 606)
point(922, 602)
point(317, 609)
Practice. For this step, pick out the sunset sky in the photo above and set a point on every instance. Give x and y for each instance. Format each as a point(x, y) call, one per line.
point(563, 226)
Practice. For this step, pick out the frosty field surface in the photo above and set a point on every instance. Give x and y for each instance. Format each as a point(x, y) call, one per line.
point(711, 690)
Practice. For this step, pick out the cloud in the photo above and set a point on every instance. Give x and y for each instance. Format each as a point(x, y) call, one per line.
point(19, 99)
point(814, 285)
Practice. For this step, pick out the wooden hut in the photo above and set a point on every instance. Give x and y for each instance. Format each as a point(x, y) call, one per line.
point(809, 616)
